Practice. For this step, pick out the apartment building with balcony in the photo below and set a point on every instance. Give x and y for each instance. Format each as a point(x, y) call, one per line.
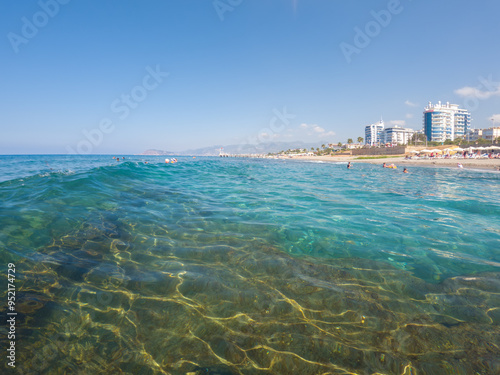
point(373, 134)
point(445, 121)
point(397, 135)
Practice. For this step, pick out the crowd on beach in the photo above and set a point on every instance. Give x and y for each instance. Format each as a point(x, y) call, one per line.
point(457, 155)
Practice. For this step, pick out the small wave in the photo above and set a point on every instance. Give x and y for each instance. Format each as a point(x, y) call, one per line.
point(56, 173)
point(315, 161)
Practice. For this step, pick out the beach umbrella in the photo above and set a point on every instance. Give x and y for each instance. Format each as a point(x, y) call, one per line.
point(458, 149)
point(436, 150)
point(425, 151)
point(417, 152)
point(495, 148)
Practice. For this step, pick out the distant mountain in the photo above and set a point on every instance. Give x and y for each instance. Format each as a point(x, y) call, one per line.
point(157, 152)
point(259, 148)
point(205, 151)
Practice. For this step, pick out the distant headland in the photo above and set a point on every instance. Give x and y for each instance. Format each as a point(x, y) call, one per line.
point(157, 152)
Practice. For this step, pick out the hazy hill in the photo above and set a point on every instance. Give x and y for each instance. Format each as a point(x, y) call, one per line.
point(259, 148)
point(157, 152)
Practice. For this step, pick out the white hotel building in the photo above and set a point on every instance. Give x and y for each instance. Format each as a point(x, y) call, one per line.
point(376, 135)
point(445, 121)
point(373, 134)
point(397, 135)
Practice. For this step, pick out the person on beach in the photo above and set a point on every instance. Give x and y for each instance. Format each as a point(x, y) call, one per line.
point(459, 165)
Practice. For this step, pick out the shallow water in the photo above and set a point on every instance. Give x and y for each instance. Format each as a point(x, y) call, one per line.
point(249, 266)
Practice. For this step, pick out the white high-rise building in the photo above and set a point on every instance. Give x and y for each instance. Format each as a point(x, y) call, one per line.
point(373, 133)
point(445, 121)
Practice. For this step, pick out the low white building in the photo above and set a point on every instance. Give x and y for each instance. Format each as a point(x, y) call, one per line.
point(489, 134)
point(353, 145)
point(474, 134)
point(397, 135)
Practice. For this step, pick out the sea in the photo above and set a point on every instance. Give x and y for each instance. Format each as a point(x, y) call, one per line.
point(246, 266)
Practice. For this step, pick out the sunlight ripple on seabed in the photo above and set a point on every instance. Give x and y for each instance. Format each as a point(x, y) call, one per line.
point(252, 308)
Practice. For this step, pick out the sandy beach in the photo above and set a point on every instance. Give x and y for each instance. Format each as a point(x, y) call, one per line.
point(488, 164)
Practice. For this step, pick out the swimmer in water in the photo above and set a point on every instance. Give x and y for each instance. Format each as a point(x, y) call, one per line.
point(405, 170)
point(349, 165)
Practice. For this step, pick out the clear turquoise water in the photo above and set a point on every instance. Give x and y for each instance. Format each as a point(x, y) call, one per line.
point(250, 266)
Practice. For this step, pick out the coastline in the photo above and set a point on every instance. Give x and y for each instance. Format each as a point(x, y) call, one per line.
point(487, 164)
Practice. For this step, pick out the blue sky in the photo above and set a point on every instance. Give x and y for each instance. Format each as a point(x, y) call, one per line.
point(124, 76)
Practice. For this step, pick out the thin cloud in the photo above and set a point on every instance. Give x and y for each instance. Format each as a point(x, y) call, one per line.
point(474, 92)
point(495, 118)
point(409, 115)
point(318, 129)
point(398, 122)
point(411, 104)
point(311, 131)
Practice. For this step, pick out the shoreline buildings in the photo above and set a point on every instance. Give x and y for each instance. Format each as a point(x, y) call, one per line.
point(376, 135)
point(397, 135)
point(445, 121)
point(489, 134)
